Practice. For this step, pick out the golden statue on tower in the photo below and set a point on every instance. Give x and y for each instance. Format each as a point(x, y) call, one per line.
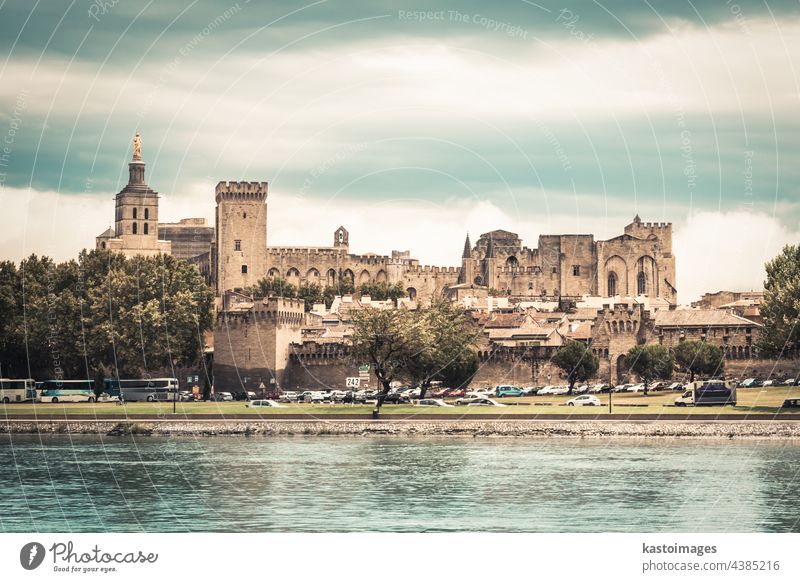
point(137, 147)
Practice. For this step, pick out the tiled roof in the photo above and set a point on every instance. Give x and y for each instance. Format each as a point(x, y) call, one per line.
point(700, 318)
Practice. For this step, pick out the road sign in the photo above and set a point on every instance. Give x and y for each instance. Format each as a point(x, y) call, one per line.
point(353, 382)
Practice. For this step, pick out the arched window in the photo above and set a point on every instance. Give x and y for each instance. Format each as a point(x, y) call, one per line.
point(146, 230)
point(512, 262)
point(134, 213)
point(612, 284)
point(641, 284)
point(146, 213)
point(134, 229)
point(102, 245)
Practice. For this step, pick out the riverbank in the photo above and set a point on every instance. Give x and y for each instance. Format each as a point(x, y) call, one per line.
point(775, 429)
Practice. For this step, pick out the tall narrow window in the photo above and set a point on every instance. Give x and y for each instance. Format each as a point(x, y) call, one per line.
point(135, 229)
point(134, 213)
point(612, 284)
point(576, 270)
point(237, 245)
point(641, 284)
point(146, 213)
point(145, 231)
point(244, 269)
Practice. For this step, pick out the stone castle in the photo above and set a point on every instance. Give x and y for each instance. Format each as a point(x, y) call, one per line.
point(269, 343)
point(639, 262)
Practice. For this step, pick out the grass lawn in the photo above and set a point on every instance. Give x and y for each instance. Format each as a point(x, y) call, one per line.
point(750, 400)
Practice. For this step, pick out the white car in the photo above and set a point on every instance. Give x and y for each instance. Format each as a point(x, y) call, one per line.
point(263, 404)
point(582, 389)
point(288, 397)
point(223, 396)
point(484, 402)
point(553, 390)
point(597, 388)
point(484, 393)
point(635, 388)
point(585, 400)
point(621, 387)
point(768, 383)
point(432, 402)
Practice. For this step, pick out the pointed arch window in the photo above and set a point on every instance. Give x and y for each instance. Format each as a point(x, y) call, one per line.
point(612, 284)
point(641, 284)
point(134, 228)
point(145, 228)
point(146, 214)
point(134, 213)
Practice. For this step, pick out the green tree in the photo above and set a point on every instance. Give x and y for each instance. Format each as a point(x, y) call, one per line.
point(387, 340)
point(446, 338)
point(650, 362)
point(578, 361)
point(780, 309)
point(698, 357)
point(273, 286)
point(311, 293)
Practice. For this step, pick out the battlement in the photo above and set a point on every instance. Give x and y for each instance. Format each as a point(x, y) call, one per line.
point(430, 270)
point(650, 225)
point(241, 191)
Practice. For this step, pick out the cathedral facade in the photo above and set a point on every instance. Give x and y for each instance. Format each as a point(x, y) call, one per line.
point(639, 262)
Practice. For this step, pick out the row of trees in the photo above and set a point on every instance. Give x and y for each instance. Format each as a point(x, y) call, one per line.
point(101, 314)
point(420, 346)
point(649, 362)
point(313, 293)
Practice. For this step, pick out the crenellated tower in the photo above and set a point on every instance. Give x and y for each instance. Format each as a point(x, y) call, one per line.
point(241, 235)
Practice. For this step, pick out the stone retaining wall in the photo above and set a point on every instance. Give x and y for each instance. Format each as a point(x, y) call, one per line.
point(732, 430)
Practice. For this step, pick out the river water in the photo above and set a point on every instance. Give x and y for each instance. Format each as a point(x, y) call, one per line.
point(311, 484)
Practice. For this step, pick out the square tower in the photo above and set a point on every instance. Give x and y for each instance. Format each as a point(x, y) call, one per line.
point(241, 235)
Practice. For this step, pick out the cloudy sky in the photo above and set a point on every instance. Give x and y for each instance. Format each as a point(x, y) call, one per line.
point(412, 123)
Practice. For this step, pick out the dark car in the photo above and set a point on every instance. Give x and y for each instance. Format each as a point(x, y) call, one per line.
point(354, 398)
point(791, 403)
point(396, 398)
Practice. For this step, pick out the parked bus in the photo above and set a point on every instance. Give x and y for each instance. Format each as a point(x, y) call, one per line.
point(143, 389)
point(17, 390)
point(55, 391)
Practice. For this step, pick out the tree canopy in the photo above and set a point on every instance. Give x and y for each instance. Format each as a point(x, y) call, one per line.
point(780, 309)
point(101, 314)
point(417, 346)
point(578, 361)
point(313, 293)
point(698, 357)
point(650, 362)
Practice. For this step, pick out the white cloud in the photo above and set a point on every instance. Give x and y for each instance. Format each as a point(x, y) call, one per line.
point(726, 251)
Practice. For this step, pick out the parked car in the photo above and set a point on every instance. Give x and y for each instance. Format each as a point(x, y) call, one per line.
point(186, 396)
point(263, 404)
point(338, 396)
point(582, 389)
point(484, 402)
point(768, 383)
point(585, 400)
point(751, 383)
point(791, 403)
point(553, 390)
point(635, 388)
point(675, 387)
point(396, 398)
point(503, 391)
point(288, 396)
point(311, 396)
point(655, 386)
point(621, 387)
point(456, 393)
point(223, 397)
point(432, 402)
point(598, 388)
